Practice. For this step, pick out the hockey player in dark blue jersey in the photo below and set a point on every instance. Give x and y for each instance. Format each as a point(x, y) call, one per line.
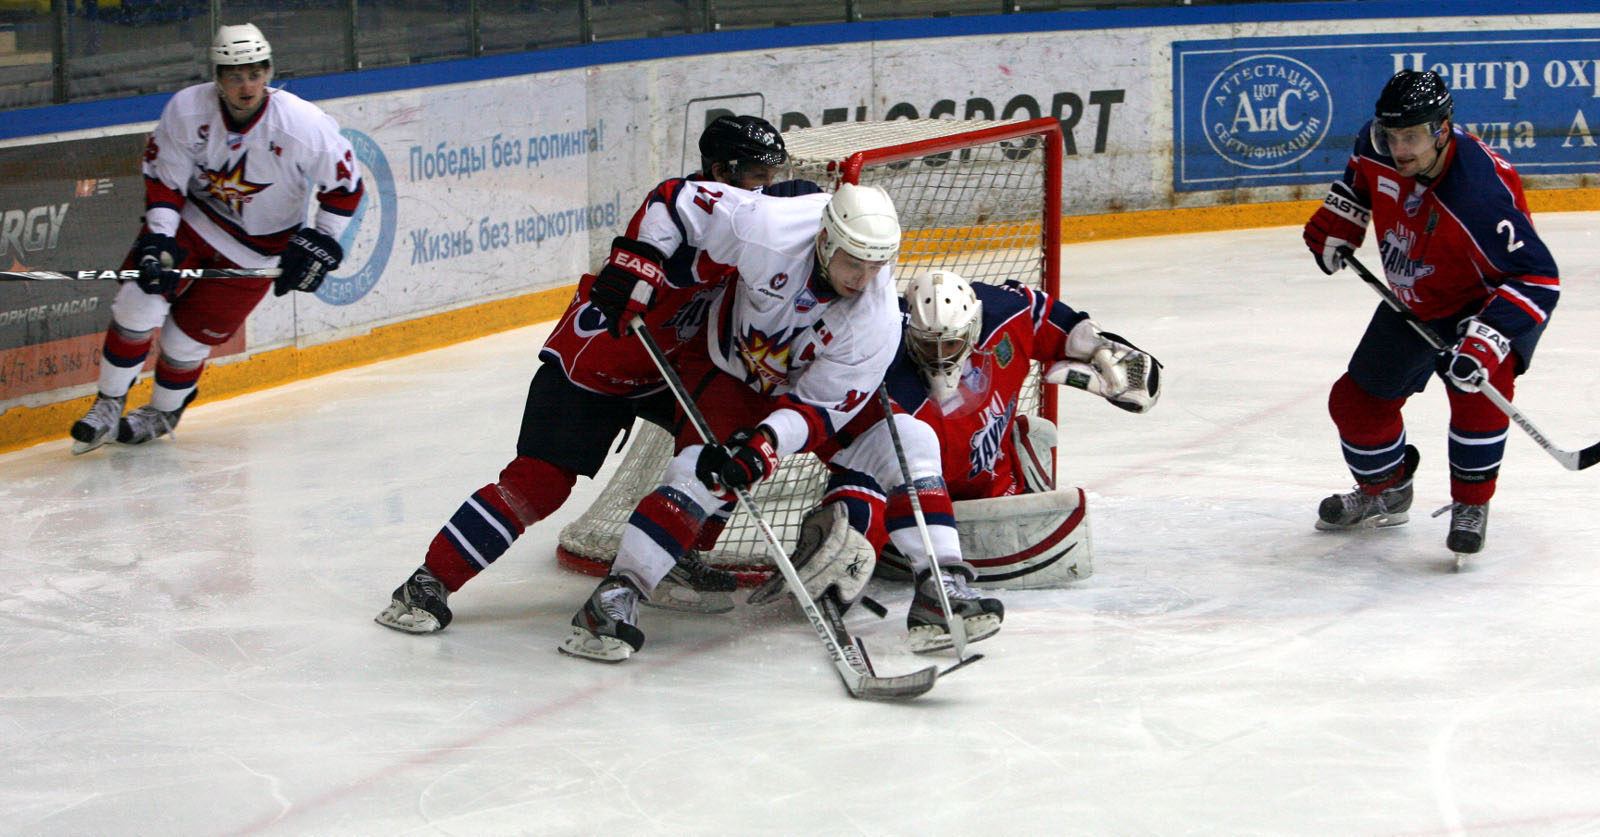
point(1459, 249)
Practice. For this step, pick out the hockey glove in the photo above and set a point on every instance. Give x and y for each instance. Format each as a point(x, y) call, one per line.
point(1110, 367)
point(744, 460)
point(156, 255)
point(1476, 355)
point(1341, 221)
point(626, 285)
point(306, 261)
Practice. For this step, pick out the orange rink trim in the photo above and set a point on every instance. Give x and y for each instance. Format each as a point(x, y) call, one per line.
point(24, 426)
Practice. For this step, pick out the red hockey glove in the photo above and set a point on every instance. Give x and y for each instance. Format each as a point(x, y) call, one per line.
point(1477, 355)
point(1341, 221)
point(744, 460)
point(156, 255)
point(626, 285)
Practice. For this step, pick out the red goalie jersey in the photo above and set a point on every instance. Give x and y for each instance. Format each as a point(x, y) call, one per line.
point(979, 456)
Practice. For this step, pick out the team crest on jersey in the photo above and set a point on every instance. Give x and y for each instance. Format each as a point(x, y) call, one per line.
point(1005, 351)
point(767, 357)
point(986, 442)
point(778, 281)
point(230, 187)
point(1402, 270)
point(805, 300)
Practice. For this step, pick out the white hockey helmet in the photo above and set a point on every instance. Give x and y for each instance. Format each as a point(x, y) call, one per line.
point(240, 44)
point(861, 220)
point(945, 321)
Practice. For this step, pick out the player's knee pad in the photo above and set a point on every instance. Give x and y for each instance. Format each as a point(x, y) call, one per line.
point(136, 311)
point(1026, 540)
point(1034, 440)
point(1362, 417)
point(533, 489)
point(179, 349)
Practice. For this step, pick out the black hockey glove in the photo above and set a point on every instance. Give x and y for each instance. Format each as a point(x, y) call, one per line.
point(626, 285)
point(744, 460)
point(306, 261)
point(155, 255)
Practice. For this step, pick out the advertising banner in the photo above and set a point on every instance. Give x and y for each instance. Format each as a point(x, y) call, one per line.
point(1284, 111)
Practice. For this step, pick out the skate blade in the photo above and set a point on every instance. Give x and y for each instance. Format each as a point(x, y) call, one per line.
point(407, 619)
point(1378, 522)
point(81, 448)
point(588, 646)
point(926, 639)
point(688, 600)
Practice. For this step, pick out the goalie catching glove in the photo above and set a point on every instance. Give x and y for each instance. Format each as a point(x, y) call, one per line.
point(829, 554)
point(626, 285)
point(1109, 366)
point(306, 261)
point(1340, 222)
point(744, 460)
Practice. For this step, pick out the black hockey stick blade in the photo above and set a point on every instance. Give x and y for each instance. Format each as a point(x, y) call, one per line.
point(117, 275)
point(855, 666)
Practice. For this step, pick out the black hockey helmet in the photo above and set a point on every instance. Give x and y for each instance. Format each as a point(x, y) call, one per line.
point(1413, 98)
point(738, 141)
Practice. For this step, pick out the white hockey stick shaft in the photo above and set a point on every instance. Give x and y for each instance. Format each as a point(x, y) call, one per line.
point(848, 660)
point(1572, 460)
point(958, 628)
point(119, 274)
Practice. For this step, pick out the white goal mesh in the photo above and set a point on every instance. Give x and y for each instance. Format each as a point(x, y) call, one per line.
point(980, 198)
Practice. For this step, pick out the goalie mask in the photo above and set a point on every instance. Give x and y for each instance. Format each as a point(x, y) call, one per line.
point(945, 321)
point(238, 45)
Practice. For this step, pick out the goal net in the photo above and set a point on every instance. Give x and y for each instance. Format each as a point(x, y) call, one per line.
point(981, 198)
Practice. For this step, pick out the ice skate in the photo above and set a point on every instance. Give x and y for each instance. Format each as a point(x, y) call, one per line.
point(148, 423)
point(94, 429)
point(605, 628)
point(693, 586)
point(1469, 525)
point(925, 621)
point(418, 606)
point(1360, 510)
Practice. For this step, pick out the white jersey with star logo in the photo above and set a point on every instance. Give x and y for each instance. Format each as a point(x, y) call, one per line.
point(778, 327)
point(245, 190)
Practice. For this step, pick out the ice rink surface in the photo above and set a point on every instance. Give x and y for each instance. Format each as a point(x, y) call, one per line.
point(189, 646)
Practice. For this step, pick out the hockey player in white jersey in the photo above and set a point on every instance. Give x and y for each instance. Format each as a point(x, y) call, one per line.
point(793, 349)
point(228, 172)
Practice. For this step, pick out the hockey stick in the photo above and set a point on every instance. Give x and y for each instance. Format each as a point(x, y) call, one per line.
point(958, 628)
point(849, 656)
point(1572, 460)
point(108, 275)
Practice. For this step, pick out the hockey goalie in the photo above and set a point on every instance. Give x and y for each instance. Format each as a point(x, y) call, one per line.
point(961, 368)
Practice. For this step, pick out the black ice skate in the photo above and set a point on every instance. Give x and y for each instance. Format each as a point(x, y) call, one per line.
point(605, 628)
point(1469, 525)
point(94, 429)
point(694, 586)
point(418, 606)
point(1360, 510)
point(147, 422)
point(925, 621)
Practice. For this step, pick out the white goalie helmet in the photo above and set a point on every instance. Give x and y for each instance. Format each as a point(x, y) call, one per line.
point(239, 44)
point(946, 319)
point(861, 220)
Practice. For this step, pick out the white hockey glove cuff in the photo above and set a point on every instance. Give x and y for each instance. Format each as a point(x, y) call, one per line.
point(1118, 372)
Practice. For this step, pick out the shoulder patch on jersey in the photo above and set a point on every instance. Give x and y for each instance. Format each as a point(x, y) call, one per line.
point(1004, 352)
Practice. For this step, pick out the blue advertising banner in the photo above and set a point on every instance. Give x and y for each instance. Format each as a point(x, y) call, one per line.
point(1284, 111)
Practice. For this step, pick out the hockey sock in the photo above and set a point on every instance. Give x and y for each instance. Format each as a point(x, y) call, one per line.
point(486, 525)
point(937, 512)
point(864, 503)
point(174, 381)
point(1371, 434)
point(711, 530)
point(1477, 441)
point(122, 356)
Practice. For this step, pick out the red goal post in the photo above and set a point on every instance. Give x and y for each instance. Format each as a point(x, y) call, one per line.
point(981, 198)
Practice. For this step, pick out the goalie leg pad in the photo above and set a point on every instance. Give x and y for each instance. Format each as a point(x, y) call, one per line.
point(830, 553)
point(1033, 438)
point(1027, 540)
